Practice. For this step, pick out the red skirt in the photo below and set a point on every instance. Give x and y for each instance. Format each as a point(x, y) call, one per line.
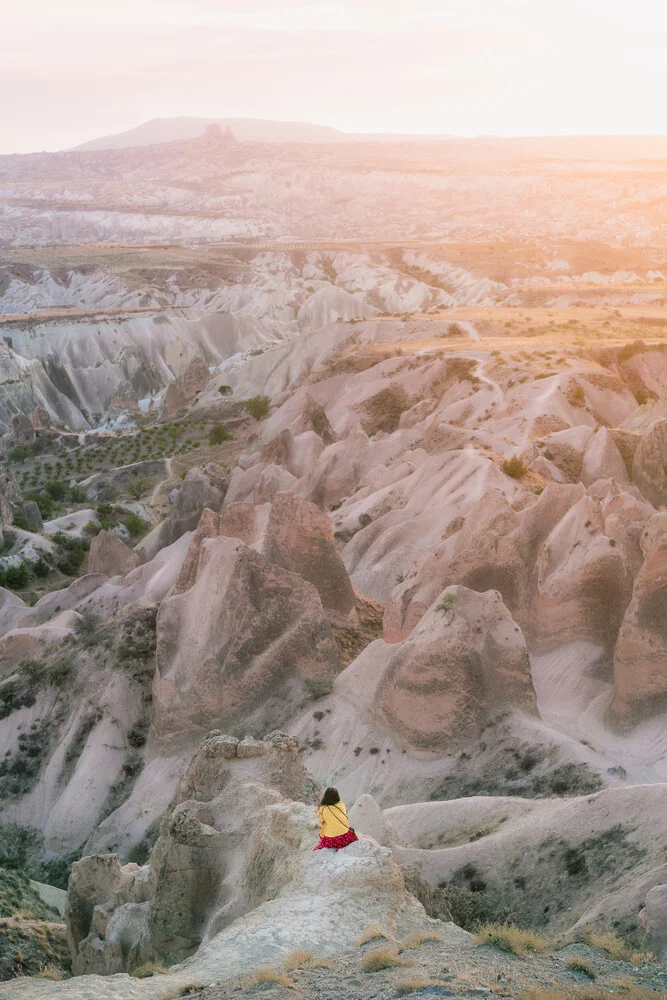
point(337, 842)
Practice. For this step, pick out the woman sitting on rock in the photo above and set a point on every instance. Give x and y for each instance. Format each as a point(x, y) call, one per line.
point(335, 831)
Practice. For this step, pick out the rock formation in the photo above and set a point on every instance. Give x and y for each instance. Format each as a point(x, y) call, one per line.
point(463, 663)
point(111, 556)
point(236, 647)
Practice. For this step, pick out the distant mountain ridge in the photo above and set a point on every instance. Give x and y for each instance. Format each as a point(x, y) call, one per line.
point(245, 129)
point(254, 129)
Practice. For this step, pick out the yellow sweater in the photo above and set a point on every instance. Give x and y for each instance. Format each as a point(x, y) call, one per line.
point(333, 820)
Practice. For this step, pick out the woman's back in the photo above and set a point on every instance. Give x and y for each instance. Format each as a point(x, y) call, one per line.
point(333, 820)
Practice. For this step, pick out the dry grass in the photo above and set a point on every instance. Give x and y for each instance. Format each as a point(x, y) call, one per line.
point(608, 942)
point(321, 963)
point(579, 965)
point(407, 986)
point(509, 938)
point(260, 976)
point(418, 938)
point(641, 957)
point(149, 969)
point(50, 972)
point(382, 958)
point(298, 960)
point(372, 933)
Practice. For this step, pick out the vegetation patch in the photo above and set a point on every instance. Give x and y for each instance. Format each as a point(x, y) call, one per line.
point(382, 958)
point(383, 410)
point(20, 768)
point(510, 938)
point(258, 406)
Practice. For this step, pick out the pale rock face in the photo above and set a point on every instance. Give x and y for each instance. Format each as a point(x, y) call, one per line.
point(258, 484)
point(236, 647)
point(602, 460)
point(464, 661)
point(653, 921)
point(649, 466)
point(233, 880)
point(291, 533)
point(640, 658)
point(583, 583)
point(111, 556)
point(12, 608)
point(205, 487)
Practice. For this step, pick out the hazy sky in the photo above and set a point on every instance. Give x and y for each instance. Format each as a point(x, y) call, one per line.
point(71, 70)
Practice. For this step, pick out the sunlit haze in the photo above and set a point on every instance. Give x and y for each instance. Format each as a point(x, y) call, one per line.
point(77, 69)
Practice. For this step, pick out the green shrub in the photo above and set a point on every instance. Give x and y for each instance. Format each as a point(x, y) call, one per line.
point(19, 454)
point(41, 568)
point(21, 522)
point(44, 501)
point(77, 494)
point(258, 406)
point(218, 434)
point(17, 577)
point(61, 673)
point(514, 467)
point(134, 524)
point(137, 487)
point(86, 628)
point(57, 490)
point(318, 687)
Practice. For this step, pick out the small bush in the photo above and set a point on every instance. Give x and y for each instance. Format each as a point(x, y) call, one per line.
point(318, 687)
point(137, 487)
point(218, 434)
point(418, 938)
point(86, 628)
point(382, 958)
point(405, 987)
point(134, 524)
point(257, 406)
point(57, 490)
point(372, 933)
point(509, 937)
point(147, 969)
point(579, 965)
point(606, 941)
point(77, 494)
point(514, 467)
point(260, 976)
point(17, 577)
point(41, 568)
point(298, 960)
point(448, 601)
point(61, 673)
point(44, 501)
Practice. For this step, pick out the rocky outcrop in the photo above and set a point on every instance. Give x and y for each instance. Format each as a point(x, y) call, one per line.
point(237, 646)
point(464, 662)
point(640, 659)
point(290, 532)
point(653, 921)
point(233, 879)
point(602, 460)
point(202, 487)
point(649, 465)
point(111, 556)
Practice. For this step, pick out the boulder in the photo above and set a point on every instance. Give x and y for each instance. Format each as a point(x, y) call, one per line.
point(653, 921)
point(12, 609)
point(237, 646)
point(649, 465)
point(463, 663)
point(110, 555)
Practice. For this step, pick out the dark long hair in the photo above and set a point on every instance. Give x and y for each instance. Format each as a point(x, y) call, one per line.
point(330, 797)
